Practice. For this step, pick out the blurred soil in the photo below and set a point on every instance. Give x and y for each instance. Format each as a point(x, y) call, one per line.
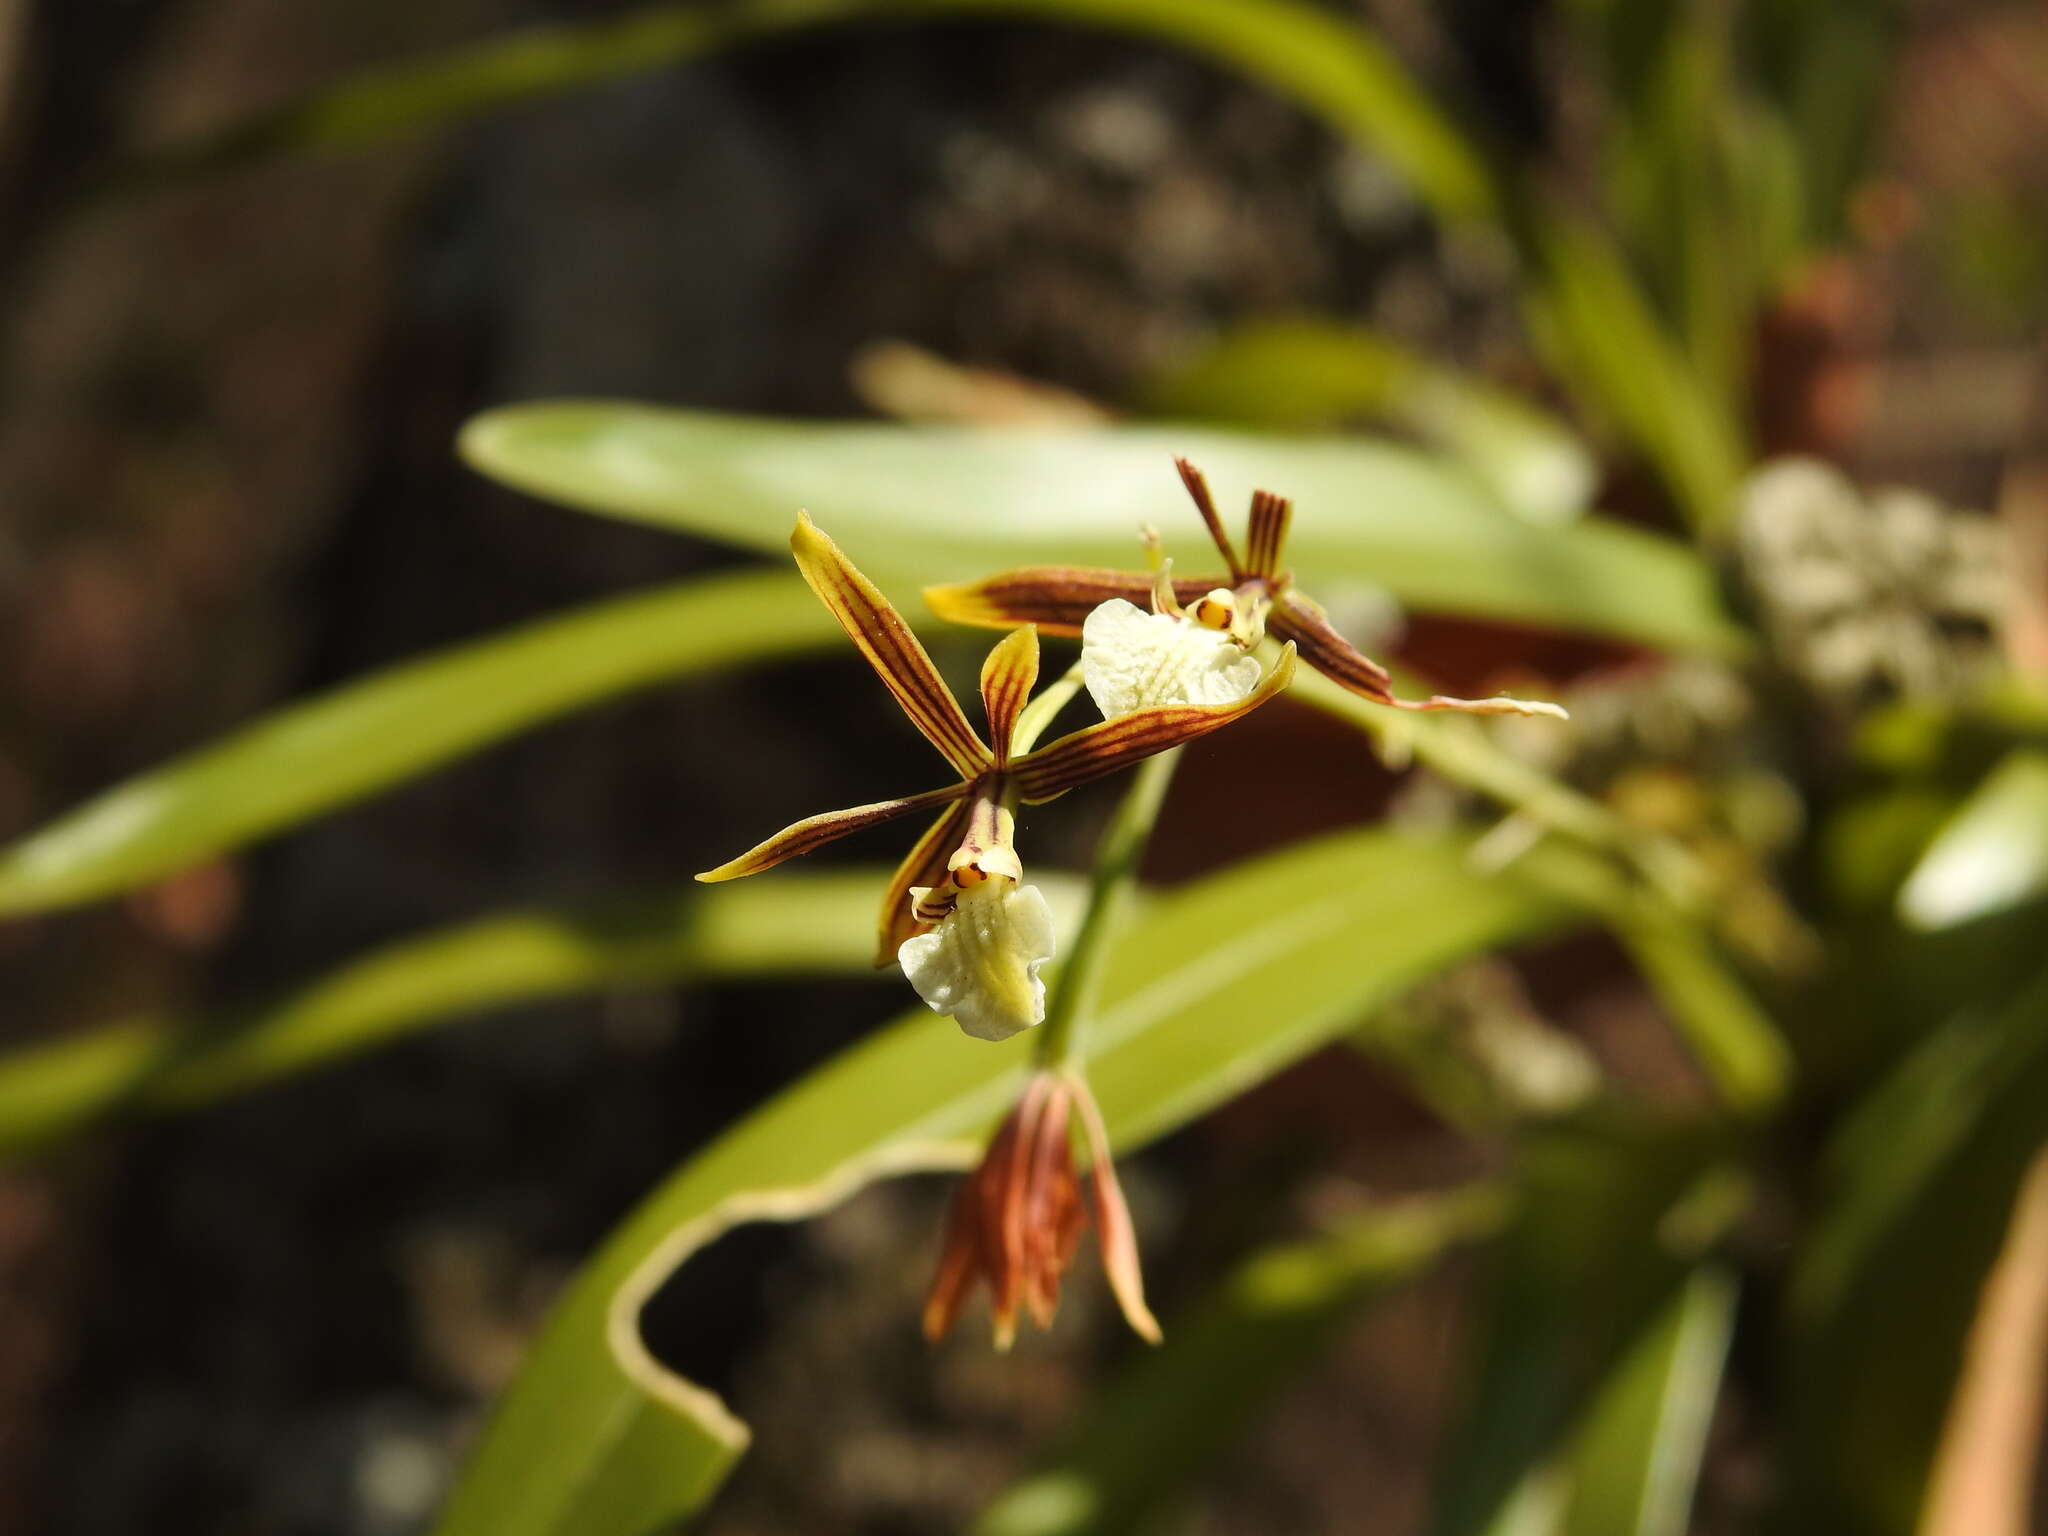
point(226, 479)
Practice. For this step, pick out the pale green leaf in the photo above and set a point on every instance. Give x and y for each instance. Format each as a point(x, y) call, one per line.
point(1135, 1452)
point(1306, 373)
point(1212, 990)
point(796, 922)
point(313, 756)
point(1991, 856)
point(927, 504)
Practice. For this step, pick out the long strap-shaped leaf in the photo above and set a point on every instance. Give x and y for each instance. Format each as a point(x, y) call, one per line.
point(801, 922)
point(1210, 992)
point(311, 757)
point(1370, 512)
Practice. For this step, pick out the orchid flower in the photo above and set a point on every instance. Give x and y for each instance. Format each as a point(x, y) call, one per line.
point(1016, 1220)
point(1257, 597)
point(969, 934)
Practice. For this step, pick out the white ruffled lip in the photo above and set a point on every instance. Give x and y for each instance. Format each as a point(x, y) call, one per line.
point(1132, 660)
point(979, 965)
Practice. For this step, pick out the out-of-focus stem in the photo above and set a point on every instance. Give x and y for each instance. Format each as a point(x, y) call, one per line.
point(1116, 871)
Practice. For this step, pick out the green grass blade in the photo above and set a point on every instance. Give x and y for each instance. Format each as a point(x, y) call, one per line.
point(1306, 374)
point(1211, 990)
point(1132, 1456)
point(1923, 1180)
point(311, 757)
point(922, 504)
point(1609, 1219)
point(1636, 1458)
point(797, 922)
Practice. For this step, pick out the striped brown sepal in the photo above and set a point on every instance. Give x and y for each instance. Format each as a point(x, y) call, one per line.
point(1007, 678)
point(1057, 598)
point(1102, 749)
point(1299, 619)
point(1198, 491)
point(1268, 535)
point(817, 831)
point(890, 647)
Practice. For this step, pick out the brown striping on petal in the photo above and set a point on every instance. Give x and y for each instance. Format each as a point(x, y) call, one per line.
point(1006, 1206)
point(889, 646)
point(1096, 750)
point(1057, 598)
point(925, 864)
point(1113, 1225)
point(1298, 618)
point(1007, 678)
point(1198, 488)
point(1268, 535)
point(816, 831)
point(1050, 1195)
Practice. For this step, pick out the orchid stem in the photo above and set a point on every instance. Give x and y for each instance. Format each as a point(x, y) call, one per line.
point(1041, 711)
point(1116, 872)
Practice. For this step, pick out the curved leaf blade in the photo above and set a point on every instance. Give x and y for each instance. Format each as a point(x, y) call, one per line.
point(311, 757)
point(800, 922)
point(931, 503)
point(1291, 949)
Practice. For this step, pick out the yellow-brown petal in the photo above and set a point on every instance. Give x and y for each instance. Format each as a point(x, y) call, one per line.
point(1057, 598)
point(890, 647)
point(1007, 678)
point(1097, 750)
point(925, 864)
point(1198, 489)
point(817, 831)
point(1298, 618)
point(1268, 535)
point(1113, 1227)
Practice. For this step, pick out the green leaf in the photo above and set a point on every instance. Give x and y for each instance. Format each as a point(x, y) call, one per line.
point(1133, 1454)
point(1636, 1458)
point(1213, 989)
point(1922, 1181)
point(1610, 1217)
point(1992, 855)
point(927, 504)
point(1330, 66)
point(798, 922)
point(1306, 373)
point(311, 757)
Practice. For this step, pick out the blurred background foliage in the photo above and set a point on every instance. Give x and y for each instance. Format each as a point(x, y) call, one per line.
point(1633, 1126)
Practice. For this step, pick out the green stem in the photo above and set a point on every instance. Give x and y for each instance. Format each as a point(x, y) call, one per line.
point(1040, 712)
point(1116, 871)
